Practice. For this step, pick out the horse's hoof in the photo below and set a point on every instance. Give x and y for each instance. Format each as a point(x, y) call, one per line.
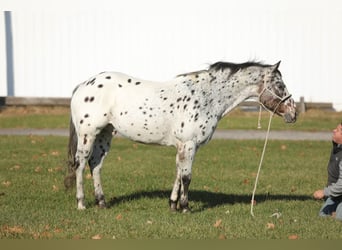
point(80, 204)
point(173, 206)
point(186, 210)
point(102, 205)
point(173, 211)
point(81, 207)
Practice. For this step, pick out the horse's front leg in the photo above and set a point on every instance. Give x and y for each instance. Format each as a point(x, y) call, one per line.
point(184, 159)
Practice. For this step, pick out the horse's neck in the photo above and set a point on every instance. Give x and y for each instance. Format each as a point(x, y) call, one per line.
point(229, 91)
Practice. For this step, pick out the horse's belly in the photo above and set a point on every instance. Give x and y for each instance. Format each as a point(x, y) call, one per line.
point(140, 128)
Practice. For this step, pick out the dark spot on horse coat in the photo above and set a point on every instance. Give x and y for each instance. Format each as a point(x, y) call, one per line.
point(86, 99)
point(100, 86)
point(91, 98)
point(120, 86)
point(108, 77)
point(137, 83)
point(85, 139)
point(86, 115)
point(81, 121)
point(129, 80)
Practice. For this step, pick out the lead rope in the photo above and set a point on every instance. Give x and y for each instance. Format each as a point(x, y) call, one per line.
point(261, 160)
point(259, 118)
point(282, 99)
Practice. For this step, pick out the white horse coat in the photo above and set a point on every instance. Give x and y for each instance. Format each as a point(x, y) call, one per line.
point(183, 112)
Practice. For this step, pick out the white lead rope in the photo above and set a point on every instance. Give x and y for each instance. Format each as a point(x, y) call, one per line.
point(282, 99)
point(260, 163)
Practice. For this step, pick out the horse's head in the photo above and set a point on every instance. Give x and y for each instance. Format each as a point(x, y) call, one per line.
point(274, 96)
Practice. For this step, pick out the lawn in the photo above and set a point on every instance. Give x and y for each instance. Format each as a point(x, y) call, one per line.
point(137, 181)
point(58, 117)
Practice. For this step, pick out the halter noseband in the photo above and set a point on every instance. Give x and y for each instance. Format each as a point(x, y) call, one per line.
point(282, 99)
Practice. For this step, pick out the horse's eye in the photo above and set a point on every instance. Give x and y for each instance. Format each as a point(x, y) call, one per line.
point(280, 86)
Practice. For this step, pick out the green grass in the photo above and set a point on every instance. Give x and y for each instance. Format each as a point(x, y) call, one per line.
point(137, 181)
point(313, 120)
point(35, 121)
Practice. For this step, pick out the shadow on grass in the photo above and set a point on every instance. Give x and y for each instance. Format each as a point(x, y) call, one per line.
point(209, 199)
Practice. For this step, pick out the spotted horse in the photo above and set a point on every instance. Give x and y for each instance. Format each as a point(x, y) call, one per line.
point(182, 112)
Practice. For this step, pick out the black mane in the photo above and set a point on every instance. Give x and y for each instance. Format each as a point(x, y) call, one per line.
point(234, 67)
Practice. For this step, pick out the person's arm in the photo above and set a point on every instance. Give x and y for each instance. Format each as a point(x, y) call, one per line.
point(335, 189)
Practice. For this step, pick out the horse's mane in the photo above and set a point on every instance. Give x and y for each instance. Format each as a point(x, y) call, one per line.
point(235, 67)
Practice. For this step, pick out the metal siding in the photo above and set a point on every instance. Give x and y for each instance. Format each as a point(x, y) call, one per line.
point(3, 74)
point(54, 51)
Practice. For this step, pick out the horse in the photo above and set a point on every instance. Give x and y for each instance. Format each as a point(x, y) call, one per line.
point(182, 112)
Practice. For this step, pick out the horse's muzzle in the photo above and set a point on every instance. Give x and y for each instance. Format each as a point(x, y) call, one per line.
point(290, 117)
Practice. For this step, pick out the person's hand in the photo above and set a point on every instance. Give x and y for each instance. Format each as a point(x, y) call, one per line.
point(318, 195)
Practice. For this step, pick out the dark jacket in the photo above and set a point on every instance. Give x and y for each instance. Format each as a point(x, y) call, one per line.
point(334, 183)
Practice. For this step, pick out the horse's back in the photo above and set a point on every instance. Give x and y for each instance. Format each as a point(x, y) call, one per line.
point(138, 109)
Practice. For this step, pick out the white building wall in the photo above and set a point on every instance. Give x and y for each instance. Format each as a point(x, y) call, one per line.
point(3, 74)
point(56, 50)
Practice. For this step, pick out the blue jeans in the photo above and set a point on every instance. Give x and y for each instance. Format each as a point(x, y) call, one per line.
point(332, 205)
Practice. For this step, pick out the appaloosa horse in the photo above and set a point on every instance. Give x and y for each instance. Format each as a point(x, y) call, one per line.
point(183, 113)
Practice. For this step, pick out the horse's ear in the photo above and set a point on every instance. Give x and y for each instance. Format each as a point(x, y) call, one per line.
point(275, 66)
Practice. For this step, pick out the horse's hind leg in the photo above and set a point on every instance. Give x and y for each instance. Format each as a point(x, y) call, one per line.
point(175, 191)
point(84, 148)
point(101, 147)
point(184, 159)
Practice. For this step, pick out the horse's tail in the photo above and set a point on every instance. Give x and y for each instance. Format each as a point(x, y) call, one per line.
point(70, 178)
